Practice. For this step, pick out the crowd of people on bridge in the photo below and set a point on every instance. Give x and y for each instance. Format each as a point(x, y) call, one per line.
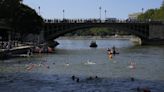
point(73, 21)
point(94, 20)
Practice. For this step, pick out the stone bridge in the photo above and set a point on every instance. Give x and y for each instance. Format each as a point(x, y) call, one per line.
point(4, 28)
point(4, 25)
point(151, 32)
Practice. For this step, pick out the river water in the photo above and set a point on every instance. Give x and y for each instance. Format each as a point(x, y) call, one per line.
point(52, 72)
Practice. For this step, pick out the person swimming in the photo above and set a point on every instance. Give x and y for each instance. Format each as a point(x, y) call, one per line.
point(112, 51)
point(132, 65)
point(110, 56)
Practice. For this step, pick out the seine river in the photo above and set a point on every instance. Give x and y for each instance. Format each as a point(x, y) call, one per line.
point(52, 72)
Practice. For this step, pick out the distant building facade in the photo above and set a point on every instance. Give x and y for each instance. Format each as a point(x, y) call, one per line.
point(134, 16)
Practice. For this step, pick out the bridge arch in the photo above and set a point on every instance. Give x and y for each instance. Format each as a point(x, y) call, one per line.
point(141, 31)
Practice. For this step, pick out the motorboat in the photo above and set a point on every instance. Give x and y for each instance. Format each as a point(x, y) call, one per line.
point(93, 44)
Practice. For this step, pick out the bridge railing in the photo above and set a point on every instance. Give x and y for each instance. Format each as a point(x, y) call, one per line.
point(82, 21)
point(73, 21)
point(107, 20)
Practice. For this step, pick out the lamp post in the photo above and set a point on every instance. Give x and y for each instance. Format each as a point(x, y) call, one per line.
point(105, 13)
point(39, 9)
point(100, 11)
point(38, 37)
point(63, 14)
point(142, 10)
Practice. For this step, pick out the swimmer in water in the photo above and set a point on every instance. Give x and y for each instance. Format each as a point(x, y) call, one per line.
point(132, 65)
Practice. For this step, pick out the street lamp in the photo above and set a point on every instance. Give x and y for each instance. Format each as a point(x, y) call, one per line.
point(39, 9)
point(63, 14)
point(100, 11)
point(142, 10)
point(105, 13)
point(38, 37)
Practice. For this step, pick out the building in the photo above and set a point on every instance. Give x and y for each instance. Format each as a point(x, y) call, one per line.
point(134, 16)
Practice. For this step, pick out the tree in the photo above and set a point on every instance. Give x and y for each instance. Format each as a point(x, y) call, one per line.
point(154, 14)
point(22, 18)
point(8, 8)
point(162, 6)
point(27, 20)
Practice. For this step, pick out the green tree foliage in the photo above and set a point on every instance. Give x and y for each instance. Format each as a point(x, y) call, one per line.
point(162, 6)
point(27, 20)
point(91, 32)
point(97, 32)
point(153, 14)
point(8, 8)
point(22, 18)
